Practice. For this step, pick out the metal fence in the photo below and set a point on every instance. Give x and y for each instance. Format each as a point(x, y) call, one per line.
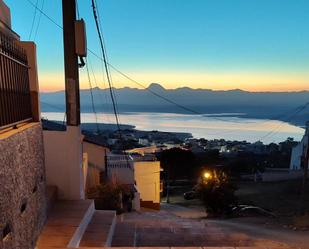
point(15, 99)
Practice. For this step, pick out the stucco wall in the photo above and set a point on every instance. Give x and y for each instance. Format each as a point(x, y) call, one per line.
point(96, 154)
point(5, 15)
point(121, 175)
point(22, 192)
point(147, 178)
point(64, 162)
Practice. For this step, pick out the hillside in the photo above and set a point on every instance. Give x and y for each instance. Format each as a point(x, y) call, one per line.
point(276, 105)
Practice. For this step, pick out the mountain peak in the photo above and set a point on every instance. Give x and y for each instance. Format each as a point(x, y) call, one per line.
point(156, 87)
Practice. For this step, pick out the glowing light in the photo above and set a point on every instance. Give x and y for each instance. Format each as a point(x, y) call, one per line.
point(207, 175)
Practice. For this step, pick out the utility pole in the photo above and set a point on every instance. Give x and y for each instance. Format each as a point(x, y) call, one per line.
point(71, 63)
point(73, 187)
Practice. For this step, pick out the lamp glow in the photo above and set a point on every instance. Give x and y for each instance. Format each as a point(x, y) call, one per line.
point(207, 175)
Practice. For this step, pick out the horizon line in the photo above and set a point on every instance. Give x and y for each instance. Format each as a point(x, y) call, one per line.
point(182, 87)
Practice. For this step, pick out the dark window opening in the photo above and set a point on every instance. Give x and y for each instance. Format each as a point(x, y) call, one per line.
point(35, 189)
point(23, 207)
point(6, 232)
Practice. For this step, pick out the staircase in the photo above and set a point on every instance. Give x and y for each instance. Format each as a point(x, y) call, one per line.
point(75, 224)
point(100, 230)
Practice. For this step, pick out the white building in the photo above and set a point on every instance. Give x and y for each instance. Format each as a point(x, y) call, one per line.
point(148, 184)
point(143, 141)
point(299, 150)
point(95, 152)
point(120, 169)
point(142, 172)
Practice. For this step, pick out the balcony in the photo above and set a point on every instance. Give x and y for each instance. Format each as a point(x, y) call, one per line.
point(15, 95)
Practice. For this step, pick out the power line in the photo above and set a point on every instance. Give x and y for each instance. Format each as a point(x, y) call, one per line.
point(42, 12)
point(105, 62)
point(131, 79)
point(108, 76)
point(96, 84)
point(33, 19)
point(92, 99)
point(39, 21)
point(277, 129)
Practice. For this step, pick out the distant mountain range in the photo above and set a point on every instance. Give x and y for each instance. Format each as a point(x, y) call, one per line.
point(286, 106)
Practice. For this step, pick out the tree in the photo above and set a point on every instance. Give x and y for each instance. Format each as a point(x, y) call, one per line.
point(216, 192)
point(178, 163)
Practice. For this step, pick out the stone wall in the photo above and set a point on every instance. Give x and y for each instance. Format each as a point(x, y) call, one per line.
point(22, 192)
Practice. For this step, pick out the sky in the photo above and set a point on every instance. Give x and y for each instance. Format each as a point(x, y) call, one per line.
point(254, 45)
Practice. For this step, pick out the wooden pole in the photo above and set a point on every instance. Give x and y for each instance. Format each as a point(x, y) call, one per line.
point(70, 63)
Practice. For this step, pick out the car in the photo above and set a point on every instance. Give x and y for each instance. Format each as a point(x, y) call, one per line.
point(190, 195)
point(250, 211)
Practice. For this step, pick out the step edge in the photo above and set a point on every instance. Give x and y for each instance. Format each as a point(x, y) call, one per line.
point(80, 230)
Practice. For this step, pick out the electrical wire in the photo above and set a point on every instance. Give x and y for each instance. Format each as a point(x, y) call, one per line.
point(107, 60)
point(44, 14)
point(104, 59)
point(33, 19)
point(108, 76)
point(277, 129)
point(92, 98)
point(39, 21)
point(105, 63)
point(97, 86)
point(134, 81)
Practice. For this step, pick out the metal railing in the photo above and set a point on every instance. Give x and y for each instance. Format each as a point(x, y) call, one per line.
point(15, 97)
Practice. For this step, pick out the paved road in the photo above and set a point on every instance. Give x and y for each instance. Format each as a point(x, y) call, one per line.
point(298, 239)
point(179, 226)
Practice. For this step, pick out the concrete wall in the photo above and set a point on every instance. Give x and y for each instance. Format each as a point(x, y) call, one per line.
point(96, 155)
point(147, 177)
point(30, 49)
point(93, 177)
point(22, 192)
point(5, 15)
point(121, 175)
point(120, 169)
point(5, 21)
point(64, 162)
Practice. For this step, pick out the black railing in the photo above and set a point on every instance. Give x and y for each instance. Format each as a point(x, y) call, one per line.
point(15, 98)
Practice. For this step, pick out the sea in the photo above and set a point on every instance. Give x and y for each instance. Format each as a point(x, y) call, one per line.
point(228, 126)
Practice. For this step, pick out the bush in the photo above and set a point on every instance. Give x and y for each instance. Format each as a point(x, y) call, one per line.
point(217, 193)
point(108, 196)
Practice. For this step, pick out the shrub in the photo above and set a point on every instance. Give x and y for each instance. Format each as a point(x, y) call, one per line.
point(216, 192)
point(107, 196)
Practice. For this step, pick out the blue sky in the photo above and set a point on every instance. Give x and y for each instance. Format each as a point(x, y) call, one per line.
point(219, 44)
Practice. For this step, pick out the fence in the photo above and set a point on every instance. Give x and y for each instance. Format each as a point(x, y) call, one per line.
point(15, 98)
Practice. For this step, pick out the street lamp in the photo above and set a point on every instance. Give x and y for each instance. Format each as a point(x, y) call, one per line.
point(207, 175)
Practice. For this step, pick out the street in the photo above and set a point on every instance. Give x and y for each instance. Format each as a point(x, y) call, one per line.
point(181, 226)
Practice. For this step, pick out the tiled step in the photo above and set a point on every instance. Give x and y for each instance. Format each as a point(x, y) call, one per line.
point(124, 235)
point(100, 230)
point(66, 223)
